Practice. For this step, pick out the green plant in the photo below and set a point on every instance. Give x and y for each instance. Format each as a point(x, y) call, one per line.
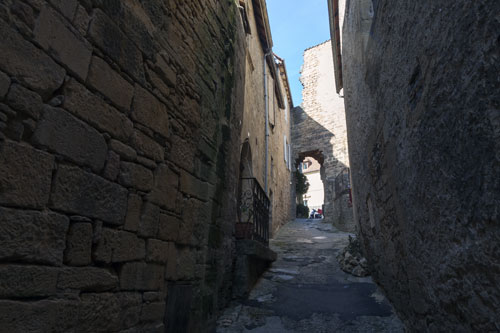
point(302, 211)
point(301, 184)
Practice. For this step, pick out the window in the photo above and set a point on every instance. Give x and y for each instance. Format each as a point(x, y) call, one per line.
point(305, 165)
point(305, 202)
point(285, 149)
point(289, 157)
point(271, 103)
point(243, 12)
point(286, 111)
point(272, 168)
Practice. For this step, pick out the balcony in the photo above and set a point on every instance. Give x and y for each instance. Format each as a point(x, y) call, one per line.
point(253, 255)
point(253, 212)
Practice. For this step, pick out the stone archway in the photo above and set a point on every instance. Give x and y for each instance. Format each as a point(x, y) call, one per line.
point(318, 157)
point(319, 130)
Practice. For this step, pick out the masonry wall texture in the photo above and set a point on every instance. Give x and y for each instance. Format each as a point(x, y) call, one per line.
point(119, 153)
point(254, 126)
point(423, 115)
point(319, 131)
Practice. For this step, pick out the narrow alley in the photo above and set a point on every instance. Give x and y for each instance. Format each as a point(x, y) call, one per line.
point(306, 291)
point(156, 158)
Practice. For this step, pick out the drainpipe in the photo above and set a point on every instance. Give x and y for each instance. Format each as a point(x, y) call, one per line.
point(266, 102)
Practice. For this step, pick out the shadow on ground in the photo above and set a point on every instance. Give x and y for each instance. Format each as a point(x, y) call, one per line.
point(305, 289)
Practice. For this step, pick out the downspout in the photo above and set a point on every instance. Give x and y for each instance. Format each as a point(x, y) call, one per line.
point(266, 102)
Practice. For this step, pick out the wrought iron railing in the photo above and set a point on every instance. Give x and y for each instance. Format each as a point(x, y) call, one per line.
point(253, 212)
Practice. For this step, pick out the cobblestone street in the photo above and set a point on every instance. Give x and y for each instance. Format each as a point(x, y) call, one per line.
point(306, 291)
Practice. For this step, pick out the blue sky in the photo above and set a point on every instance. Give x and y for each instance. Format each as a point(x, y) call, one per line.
point(295, 26)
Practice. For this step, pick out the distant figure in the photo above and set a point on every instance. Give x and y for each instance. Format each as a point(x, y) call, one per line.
point(316, 214)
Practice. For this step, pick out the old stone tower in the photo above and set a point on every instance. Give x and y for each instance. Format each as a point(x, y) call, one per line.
point(319, 131)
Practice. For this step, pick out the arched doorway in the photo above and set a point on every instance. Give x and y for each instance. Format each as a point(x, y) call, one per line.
point(314, 197)
point(253, 203)
point(313, 161)
point(246, 160)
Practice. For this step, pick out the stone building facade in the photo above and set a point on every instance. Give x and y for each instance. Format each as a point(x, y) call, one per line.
point(422, 98)
point(273, 172)
point(120, 147)
point(319, 131)
point(315, 195)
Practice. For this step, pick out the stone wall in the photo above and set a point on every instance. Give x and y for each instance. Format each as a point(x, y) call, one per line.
point(280, 170)
point(423, 115)
point(254, 126)
point(119, 131)
point(319, 131)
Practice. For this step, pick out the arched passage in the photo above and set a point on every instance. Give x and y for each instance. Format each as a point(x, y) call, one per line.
point(313, 139)
point(315, 195)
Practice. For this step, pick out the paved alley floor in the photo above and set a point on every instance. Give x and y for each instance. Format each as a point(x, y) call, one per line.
point(306, 291)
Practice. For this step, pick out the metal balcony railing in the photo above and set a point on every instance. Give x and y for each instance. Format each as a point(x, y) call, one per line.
point(253, 212)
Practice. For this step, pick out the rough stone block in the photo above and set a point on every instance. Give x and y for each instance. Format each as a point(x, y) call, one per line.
point(66, 7)
point(4, 85)
point(147, 162)
point(171, 270)
point(39, 316)
point(131, 304)
point(186, 262)
point(147, 146)
point(158, 84)
point(192, 186)
point(79, 245)
point(28, 64)
point(136, 176)
point(64, 134)
point(165, 71)
point(27, 281)
point(7, 110)
point(32, 237)
point(81, 20)
point(149, 111)
point(58, 39)
point(108, 82)
point(119, 246)
point(126, 152)
point(87, 279)
point(114, 43)
point(150, 218)
point(25, 175)
point(133, 217)
point(112, 168)
point(153, 311)
point(99, 313)
point(101, 115)
point(166, 183)
point(135, 21)
point(157, 251)
point(141, 276)
point(25, 101)
point(169, 227)
point(79, 192)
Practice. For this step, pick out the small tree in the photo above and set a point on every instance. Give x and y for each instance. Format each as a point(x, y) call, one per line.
point(301, 184)
point(301, 187)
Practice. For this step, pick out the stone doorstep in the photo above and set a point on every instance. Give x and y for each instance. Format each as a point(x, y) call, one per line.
point(255, 249)
point(252, 260)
